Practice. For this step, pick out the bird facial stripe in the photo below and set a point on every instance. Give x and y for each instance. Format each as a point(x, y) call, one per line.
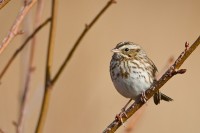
point(127, 44)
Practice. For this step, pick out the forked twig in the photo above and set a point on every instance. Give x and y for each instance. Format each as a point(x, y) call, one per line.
point(173, 70)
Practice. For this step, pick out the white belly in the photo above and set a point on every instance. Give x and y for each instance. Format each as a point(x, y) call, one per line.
point(132, 85)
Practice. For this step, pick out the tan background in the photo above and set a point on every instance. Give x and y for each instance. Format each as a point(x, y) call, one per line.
point(84, 99)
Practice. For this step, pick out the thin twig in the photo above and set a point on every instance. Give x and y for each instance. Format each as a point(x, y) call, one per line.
point(173, 70)
point(3, 3)
point(14, 29)
point(24, 100)
point(49, 60)
point(87, 28)
point(22, 46)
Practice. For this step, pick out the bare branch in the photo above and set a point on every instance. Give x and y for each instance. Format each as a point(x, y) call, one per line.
point(173, 70)
point(14, 29)
point(22, 46)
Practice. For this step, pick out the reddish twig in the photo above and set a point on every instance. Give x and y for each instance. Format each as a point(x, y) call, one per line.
point(173, 70)
point(14, 29)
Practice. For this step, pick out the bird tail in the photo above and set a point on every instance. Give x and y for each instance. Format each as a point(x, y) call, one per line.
point(160, 96)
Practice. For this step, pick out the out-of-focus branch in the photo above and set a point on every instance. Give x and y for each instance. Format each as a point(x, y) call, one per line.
point(14, 29)
point(22, 47)
point(87, 28)
point(32, 48)
point(173, 70)
point(3, 3)
point(23, 108)
point(49, 60)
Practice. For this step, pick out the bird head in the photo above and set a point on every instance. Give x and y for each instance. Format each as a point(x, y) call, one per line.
point(128, 50)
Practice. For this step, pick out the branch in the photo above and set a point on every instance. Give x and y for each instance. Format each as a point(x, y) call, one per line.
point(3, 3)
point(49, 58)
point(173, 70)
point(22, 46)
point(14, 29)
point(87, 28)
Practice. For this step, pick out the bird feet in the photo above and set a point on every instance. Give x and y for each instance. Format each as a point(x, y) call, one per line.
point(123, 112)
point(120, 115)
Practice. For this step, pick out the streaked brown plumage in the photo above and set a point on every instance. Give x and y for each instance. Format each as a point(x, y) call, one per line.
point(132, 72)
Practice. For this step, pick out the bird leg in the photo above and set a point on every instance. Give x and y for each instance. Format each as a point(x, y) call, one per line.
point(143, 97)
point(123, 112)
point(124, 108)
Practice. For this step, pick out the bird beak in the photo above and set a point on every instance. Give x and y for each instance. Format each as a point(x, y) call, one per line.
point(115, 50)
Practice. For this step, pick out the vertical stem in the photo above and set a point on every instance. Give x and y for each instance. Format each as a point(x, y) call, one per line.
point(48, 85)
point(44, 109)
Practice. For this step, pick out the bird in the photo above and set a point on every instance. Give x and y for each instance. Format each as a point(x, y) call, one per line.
point(133, 72)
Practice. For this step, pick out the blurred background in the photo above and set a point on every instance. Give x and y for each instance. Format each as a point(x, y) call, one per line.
point(84, 98)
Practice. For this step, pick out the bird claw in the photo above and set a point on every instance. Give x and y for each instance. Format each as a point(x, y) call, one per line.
point(120, 115)
point(119, 118)
point(123, 112)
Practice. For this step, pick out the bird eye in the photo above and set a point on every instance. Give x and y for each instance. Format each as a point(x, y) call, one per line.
point(126, 49)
